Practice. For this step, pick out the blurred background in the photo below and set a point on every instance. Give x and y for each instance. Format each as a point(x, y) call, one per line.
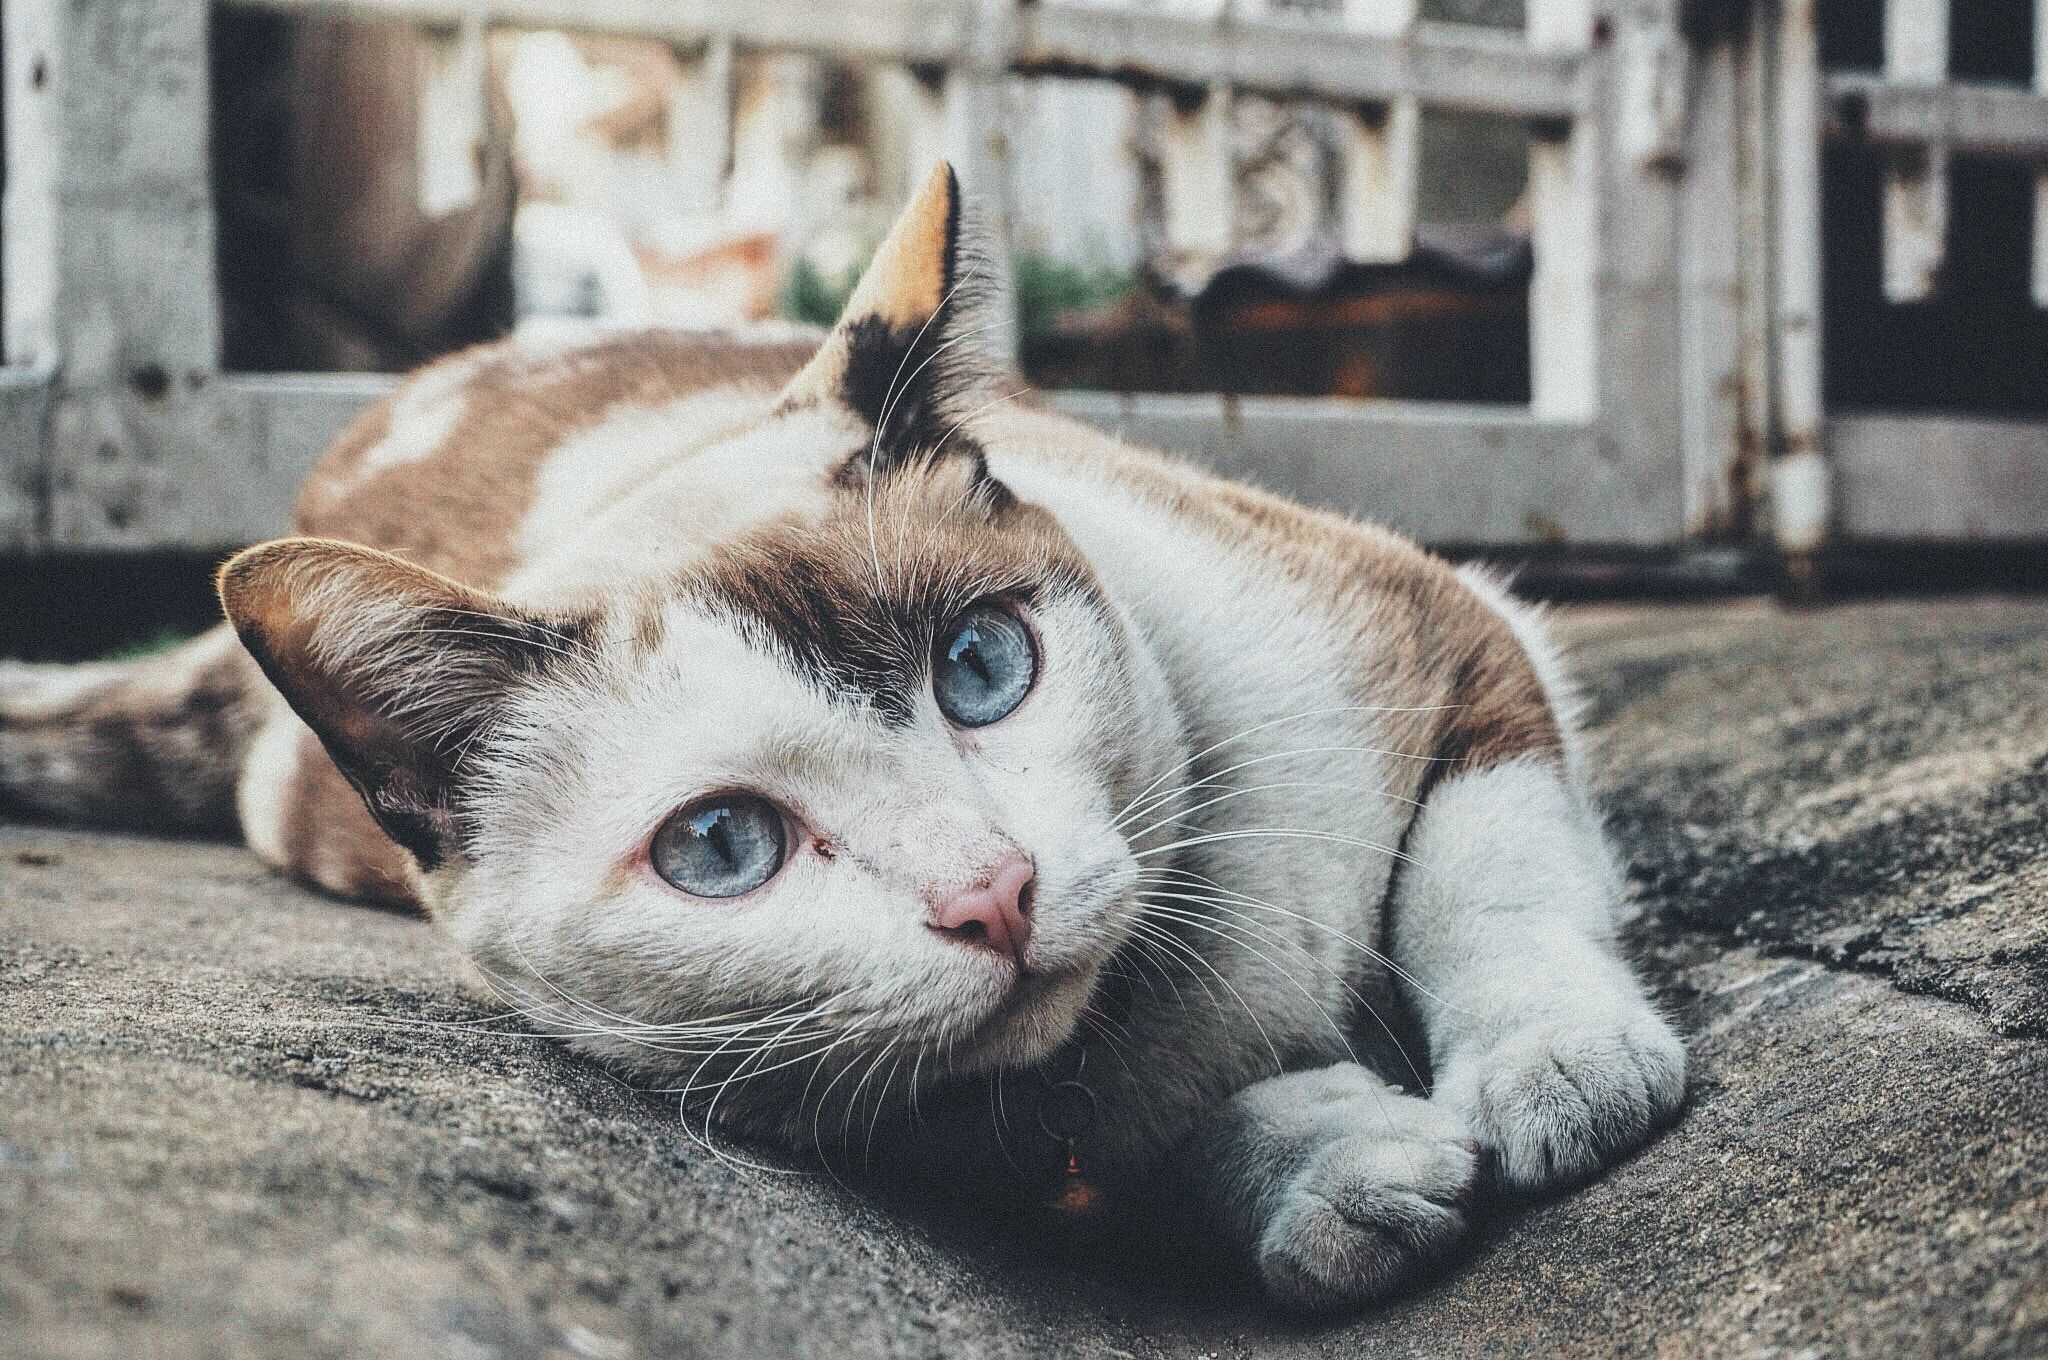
point(1672, 296)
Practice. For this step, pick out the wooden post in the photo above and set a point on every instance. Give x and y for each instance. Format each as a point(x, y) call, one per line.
point(1564, 203)
point(1800, 490)
point(773, 125)
point(1376, 191)
point(109, 239)
point(699, 131)
point(453, 109)
point(1710, 289)
point(1916, 181)
point(1198, 170)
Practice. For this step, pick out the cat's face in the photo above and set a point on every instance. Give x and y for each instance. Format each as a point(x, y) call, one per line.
point(833, 782)
point(852, 783)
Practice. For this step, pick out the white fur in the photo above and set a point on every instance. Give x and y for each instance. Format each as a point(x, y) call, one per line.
point(1542, 1037)
point(645, 490)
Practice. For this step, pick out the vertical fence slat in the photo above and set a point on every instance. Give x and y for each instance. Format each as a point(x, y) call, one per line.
point(1564, 206)
point(1377, 179)
point(453, 107)
point(2041, 176)
point(1916, 181)
point(1710, 263)
point(773, 124)
point(1198, 173)
point(699, 131)
point(1799, 482)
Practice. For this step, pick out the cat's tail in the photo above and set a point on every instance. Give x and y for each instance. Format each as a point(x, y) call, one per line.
point(150, 744)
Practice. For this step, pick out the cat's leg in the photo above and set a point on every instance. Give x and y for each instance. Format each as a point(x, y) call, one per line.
point(299, 815)
point(1336, 1185)
point(1542, 1039)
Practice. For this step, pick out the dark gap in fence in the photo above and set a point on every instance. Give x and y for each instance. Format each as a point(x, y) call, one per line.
point(80, 606)
point(1991, 40)
point(1979, 346)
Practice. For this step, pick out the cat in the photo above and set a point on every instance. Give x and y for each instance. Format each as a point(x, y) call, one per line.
point(893, 770)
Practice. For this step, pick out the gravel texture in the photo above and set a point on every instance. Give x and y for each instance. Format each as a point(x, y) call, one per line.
point(225, 1132)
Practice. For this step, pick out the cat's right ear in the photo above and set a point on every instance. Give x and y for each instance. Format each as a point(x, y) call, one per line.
point(398, 670)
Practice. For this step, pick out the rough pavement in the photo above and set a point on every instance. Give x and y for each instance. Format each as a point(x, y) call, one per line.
point(240, 1120)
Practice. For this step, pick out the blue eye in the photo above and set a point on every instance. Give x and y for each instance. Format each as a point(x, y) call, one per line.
point(721, 847)
point(983, 666)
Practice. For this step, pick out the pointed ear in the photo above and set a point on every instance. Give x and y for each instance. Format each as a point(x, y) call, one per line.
point(396, 669)
point(911, 349)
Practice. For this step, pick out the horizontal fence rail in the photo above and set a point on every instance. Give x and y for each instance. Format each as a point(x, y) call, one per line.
point(1448, 65)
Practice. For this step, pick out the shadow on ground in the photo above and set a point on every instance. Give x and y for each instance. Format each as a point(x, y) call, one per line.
point(238, 1120)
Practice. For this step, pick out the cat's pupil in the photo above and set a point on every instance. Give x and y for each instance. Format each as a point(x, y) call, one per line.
point(719, 835)
point(966, 649)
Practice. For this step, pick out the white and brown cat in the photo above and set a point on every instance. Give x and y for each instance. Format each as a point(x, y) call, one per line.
point(890, 768)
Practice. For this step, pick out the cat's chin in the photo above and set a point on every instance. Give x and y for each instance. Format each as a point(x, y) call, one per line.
point(1035, 1017)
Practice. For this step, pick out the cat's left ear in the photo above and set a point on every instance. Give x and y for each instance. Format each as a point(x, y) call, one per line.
point(912, 349)
point(399, 671)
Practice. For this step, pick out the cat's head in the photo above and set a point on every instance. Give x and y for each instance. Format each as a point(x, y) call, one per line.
point(861, 775)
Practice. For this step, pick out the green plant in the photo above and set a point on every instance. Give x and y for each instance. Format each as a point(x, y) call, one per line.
point(160, 641)
point(1047, 288)
point(808, 296)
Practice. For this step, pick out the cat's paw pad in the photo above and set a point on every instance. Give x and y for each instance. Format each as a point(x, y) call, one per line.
point(1364, 1211)
point(1558, 1101)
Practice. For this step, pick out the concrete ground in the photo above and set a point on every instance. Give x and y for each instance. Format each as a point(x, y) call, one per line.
point(225, 1132)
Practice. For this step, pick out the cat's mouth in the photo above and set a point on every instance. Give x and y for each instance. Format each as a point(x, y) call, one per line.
point(1038, 1013)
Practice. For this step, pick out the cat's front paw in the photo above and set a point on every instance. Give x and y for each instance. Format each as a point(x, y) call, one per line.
point(1558, 1100)
point(1364, 1211)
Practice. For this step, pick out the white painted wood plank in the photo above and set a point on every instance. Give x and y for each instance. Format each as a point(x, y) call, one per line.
point(1377, 184)
point(1447, 473)
point(1198, 175)
point(1916, 41)
point(452, 112)
point(699, 131)
point(1656, 76)
point(1936, 478)
point(1377, 149)
point(1915, 223)
point(1711, 221)
point(773, 126)
point(1564, 338)
point(1559, 25)
point(110, 262)
point(1799, 484)
point(1447, 65)
point(1991, 120)
point(1916, 180)
point(1564, 334)
point(2040, 271)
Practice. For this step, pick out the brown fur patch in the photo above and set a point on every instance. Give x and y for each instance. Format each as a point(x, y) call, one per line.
point(332, 842)
point(856, 601)
point(457, 509)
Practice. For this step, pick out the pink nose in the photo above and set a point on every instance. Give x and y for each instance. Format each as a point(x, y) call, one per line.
point(995, 915)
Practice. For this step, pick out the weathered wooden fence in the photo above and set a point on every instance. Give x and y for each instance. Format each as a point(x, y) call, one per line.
point(1675, 308)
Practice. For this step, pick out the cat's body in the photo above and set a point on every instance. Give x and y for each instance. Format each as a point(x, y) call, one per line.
point(1270, 766)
